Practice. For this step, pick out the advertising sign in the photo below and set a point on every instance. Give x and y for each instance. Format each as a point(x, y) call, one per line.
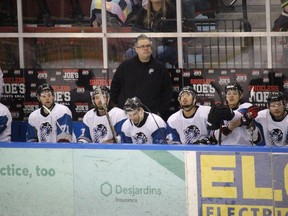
point(73, 86)
point(129, 183)
point(242, 184)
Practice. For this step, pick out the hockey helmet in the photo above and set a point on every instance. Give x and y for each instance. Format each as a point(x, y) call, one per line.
point(233, 86)
point(275, 96)
point(187, 89)
point(132, 104)
point(44, 88)
point(104, 89)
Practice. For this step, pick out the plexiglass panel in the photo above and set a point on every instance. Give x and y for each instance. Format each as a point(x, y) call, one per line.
point(236, 52)
point(63, 53)
point(9, 53)
point(280, 52)
point(8, 14)
point(59, 14)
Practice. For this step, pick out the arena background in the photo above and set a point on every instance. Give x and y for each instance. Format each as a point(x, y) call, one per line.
point(73, 86)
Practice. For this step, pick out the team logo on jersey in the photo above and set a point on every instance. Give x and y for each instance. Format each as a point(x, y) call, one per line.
point(276, 136)
point(191, 133)
point(45, 130)
point(140, 138)
point(99, 132)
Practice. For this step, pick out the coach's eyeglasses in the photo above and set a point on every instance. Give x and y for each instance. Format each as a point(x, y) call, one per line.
point(148, 46)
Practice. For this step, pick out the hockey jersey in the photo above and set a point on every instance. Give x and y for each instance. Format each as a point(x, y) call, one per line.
point(149, 133)
point(275, 133)
point(188, 130)
point(240, 135)
point(5, 124)
point(96, 128)
point(47, 128)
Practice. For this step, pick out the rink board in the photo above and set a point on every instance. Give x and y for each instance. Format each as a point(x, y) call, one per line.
point(72, 179)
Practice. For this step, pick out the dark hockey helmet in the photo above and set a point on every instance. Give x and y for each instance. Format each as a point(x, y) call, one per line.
point(187, 89)
point(44, 88)
point(104, 89)
point(233, 86)
point(132, 104)
point(275, 96)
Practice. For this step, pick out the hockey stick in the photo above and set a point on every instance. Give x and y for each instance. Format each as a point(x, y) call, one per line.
point(252, 100)
point(228, 3)
point(162, 134)
point(252, 95)
point(217, 88)
point(54, 117)
point(107, 114)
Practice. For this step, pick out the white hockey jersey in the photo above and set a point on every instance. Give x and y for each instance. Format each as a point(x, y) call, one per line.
point(5, 124)
point(188, 130)
point(148, 133)
point(45, 128)
point(96, 128)
point(275, 133)
point(240, 135)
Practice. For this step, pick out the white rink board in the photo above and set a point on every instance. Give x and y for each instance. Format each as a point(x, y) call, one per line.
point(91, 182)
point(46, 190)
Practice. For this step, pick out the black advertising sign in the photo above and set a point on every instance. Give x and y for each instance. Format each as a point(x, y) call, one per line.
point(73, 87)
point(262, 81)
point(14, 92)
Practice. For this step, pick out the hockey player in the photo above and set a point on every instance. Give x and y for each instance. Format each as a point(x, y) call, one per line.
point(272, 122)
point(5, 116)
point(103, 123)
point(142, 127)
point(5, 124)
point(189, 124)
point(52, 122)
point(237, 130)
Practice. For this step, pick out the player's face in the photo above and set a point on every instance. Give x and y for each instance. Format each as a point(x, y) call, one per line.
point(233, 98)
point(186, 99)
point(135, 116)
point(277, 109)
point(47, 99)
point(97, 101)
point(144, 50)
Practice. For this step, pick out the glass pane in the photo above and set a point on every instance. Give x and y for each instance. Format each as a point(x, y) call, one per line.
point(118, 50)
point(63, 53)
point(278, 21)
point(251, 12)
point(280, 52)
point(59, 14)
point(224, 53)
point(163, 49)
point(9, 53)
point(8, 15)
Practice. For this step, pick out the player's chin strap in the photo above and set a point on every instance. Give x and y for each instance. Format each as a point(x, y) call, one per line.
point(141, 117)
point(188, 110)
point(193, 104)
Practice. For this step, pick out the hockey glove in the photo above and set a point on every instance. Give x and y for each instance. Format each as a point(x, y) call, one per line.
point(207, 141)
point(217, 115)
point(249, 115)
